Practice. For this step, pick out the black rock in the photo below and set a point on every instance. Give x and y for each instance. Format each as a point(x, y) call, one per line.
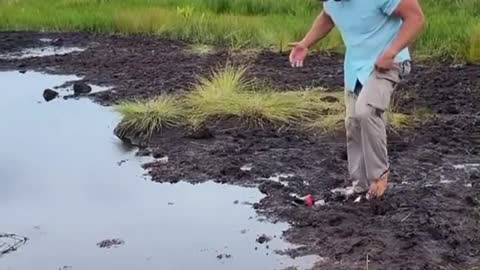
point(23, 71)
point(263, 239)
point(80, 88)
point(49, 94)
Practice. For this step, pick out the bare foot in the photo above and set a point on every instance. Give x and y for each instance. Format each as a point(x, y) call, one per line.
point(378, 186)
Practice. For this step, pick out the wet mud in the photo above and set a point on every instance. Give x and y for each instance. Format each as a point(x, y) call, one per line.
point(429, 217)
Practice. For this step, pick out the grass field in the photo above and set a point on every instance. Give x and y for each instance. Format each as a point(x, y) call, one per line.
point(452, 26)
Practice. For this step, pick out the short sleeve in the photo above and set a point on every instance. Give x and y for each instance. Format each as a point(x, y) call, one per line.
point(388, 6)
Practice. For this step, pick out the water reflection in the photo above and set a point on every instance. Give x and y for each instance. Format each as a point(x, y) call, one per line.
point(63, 186)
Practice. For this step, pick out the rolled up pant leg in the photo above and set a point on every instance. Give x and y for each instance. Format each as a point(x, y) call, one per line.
point(356, 162)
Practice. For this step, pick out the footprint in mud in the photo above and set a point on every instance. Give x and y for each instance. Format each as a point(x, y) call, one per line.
point(109, 243)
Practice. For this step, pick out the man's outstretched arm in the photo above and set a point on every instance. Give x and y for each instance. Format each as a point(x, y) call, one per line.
point(322, 25)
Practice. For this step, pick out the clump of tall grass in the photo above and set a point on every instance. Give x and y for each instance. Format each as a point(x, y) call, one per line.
point(227, 94)
point(143, 118)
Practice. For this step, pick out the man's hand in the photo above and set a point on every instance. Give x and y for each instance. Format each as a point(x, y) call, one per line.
point(298, 54)
point(322, 25)
point(385, 62)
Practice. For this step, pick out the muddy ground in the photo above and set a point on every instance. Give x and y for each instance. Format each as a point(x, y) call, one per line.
point(428, 219)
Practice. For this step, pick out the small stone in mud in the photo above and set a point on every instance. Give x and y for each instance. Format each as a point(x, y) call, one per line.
point(110, 243)
point(474, 176)
point(263, 239)
point(65, 267)
point(144, 152)
point(244, 231)
point(235, 202)
point(220, 256)
point(49, 94)
point(256, 248)
point(158, 155)
point(471, 201)
point(170, 203)
point(80, 88)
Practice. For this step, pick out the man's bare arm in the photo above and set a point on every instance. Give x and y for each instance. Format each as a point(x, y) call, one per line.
point(413, 21)
point(322, 25)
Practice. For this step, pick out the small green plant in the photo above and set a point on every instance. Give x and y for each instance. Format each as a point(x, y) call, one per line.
point(143, 118)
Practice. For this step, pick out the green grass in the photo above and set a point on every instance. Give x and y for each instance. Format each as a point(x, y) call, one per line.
point(226, 94)
point(143, 118)
point(452, 26)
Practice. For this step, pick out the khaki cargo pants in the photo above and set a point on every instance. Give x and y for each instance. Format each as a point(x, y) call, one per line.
point(366, 128)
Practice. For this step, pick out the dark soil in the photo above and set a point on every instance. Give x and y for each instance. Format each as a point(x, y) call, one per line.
point(429, 217)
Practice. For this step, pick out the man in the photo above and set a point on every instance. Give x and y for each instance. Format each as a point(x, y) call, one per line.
point(376, 34)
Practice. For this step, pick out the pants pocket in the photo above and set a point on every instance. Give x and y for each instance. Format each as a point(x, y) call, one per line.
point(393, 75)
point(382, 86)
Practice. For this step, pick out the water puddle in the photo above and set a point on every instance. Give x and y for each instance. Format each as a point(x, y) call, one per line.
point(83, 201)
point(40, 52)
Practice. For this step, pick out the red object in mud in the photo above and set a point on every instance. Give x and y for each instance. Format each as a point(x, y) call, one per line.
point(309, 200)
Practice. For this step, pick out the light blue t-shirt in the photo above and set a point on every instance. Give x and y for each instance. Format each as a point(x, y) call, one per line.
point(367, 30)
